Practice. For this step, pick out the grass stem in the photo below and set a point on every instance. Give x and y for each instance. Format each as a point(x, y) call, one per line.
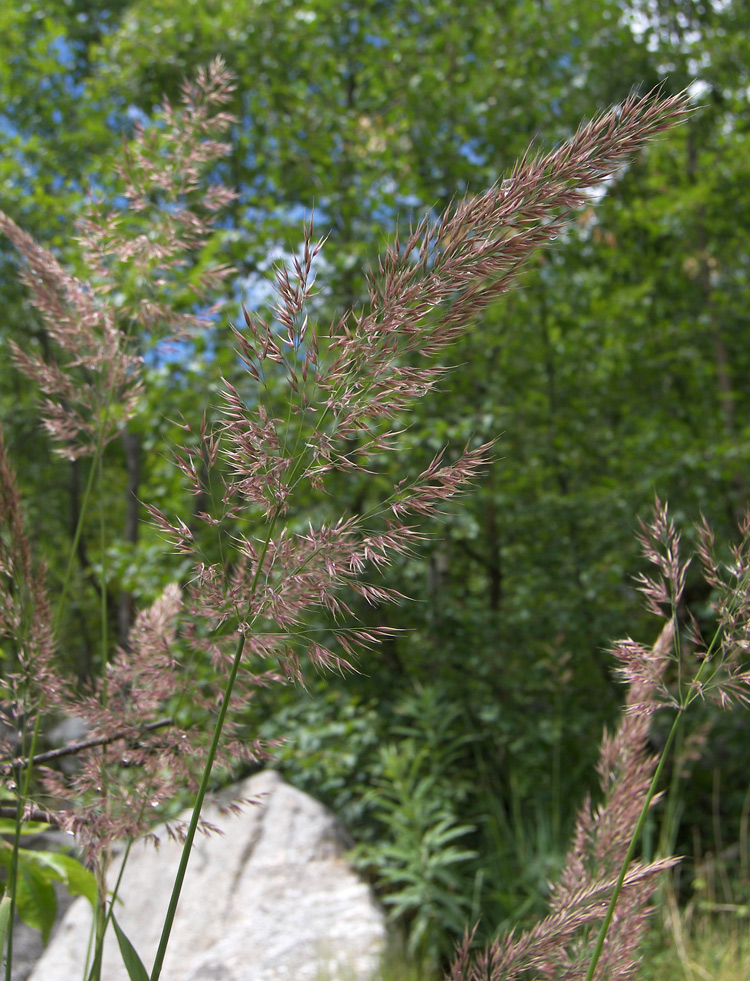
point(195, 817)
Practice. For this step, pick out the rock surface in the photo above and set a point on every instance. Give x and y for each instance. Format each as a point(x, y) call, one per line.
point(272, 899)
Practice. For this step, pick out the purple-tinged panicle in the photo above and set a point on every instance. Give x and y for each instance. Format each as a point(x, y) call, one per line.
point(93, 382)
point(471, 257)
point(721, 669)
point(707, 554)
point(725, 670)
point(557, 947)
point(123, 782)
point(348, 386)
point(560, 946)
point(168, 162)
point(660, 544)
point(31, 683)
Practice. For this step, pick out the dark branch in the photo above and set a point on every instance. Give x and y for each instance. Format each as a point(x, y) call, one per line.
point(45, 817)
point(74, 748)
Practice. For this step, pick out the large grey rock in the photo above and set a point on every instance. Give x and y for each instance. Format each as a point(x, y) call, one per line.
point(272, 899)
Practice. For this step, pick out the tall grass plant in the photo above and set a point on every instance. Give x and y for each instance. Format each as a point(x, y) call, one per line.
point(167, 706)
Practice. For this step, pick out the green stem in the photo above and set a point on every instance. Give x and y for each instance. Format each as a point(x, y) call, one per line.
point(13, 885)
point(631, 850)
point(100, 910)
point(76, 539)
point(670, 821)
point(96, 967)
point(13, 879)
point(37, 722)
point(103, 599)
point(101, 918)
point(686, 698)
point(177, 887)
point(195, 817)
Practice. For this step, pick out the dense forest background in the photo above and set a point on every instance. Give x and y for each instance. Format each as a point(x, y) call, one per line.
point(618, 369)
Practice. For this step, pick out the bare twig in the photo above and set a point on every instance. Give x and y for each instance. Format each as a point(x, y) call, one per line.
point(73, 748)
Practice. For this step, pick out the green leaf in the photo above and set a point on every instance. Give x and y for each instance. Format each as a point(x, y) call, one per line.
point(131, 960)
point(79, 881)
point(5, 904)
point(35, 897)
point(37, 902)
point(8, 827)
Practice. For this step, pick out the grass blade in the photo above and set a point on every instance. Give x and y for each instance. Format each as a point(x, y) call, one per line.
point(131, 960)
